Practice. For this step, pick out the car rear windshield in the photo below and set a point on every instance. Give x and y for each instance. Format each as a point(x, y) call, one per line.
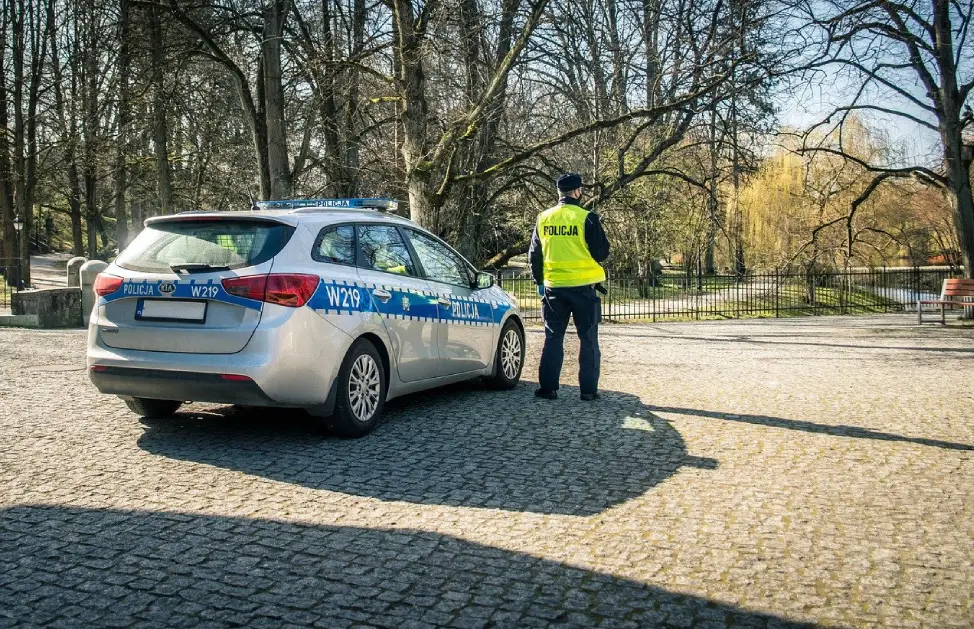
point(204, 244)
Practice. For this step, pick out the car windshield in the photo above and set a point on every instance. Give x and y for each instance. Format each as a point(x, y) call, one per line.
point(204, 245)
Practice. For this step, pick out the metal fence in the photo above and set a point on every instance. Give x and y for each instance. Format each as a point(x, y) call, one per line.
point(773, 294)
point(9, 281)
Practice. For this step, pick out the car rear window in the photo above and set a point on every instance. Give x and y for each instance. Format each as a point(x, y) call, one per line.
point(226, 243)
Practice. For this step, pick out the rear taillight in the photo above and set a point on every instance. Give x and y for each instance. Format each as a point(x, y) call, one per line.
point(249, 286)
point(292, 290)
point(106, 284)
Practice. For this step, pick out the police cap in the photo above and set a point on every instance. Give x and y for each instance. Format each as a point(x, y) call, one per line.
point(569, 182)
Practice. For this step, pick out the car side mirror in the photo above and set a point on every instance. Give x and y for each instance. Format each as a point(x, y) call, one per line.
point(484, 280)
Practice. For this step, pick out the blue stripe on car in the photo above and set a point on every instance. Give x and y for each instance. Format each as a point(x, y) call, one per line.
point(346, 298)
point(331, 298)
point(168, 289)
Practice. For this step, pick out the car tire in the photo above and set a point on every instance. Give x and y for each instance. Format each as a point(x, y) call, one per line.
point(509, 358)
point(361, 391)
point(153, 409)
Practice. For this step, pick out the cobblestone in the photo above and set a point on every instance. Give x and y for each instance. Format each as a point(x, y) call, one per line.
point(806, 472)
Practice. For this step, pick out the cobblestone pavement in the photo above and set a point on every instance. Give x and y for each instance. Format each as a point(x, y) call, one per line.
point(758, 473)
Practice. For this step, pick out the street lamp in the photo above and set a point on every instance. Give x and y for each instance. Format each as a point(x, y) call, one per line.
point(18, 225)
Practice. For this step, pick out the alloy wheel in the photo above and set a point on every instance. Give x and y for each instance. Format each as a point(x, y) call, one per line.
point(364, 388)
point(511, 354)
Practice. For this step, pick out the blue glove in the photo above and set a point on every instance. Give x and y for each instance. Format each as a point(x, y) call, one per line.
point(540, 290)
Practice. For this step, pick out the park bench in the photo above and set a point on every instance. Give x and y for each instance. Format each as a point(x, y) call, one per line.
point(953, 293)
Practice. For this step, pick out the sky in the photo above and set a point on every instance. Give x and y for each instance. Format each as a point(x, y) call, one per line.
point(801, 106)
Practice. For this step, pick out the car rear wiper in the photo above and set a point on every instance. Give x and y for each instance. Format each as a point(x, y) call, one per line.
point(196, 268)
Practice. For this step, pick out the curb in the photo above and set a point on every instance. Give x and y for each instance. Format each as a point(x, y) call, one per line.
point(19, 321)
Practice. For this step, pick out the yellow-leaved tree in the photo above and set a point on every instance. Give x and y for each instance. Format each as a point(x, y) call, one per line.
point(812, 210)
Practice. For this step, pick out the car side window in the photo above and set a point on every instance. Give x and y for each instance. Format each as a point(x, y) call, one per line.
point(383, 249)
point(336, 245)
point(440, 264)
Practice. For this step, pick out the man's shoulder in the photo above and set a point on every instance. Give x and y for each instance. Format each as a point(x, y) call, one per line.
point(565, 207)
point(546, 213)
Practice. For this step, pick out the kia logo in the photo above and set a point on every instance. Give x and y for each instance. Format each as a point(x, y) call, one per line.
point(167, 289)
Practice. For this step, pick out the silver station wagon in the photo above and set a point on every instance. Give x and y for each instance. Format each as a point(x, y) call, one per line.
point(334, 306)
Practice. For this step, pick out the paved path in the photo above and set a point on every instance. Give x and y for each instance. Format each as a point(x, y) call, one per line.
point(48, 270)
point(737, 474)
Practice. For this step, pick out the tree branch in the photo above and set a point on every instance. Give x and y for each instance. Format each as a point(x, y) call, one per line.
point(923, 174)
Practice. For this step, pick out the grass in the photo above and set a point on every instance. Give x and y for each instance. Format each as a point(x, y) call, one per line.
point(628, 290)
point(791, 301)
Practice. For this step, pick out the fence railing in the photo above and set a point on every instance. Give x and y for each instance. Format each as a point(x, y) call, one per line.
point(9, 280)
point(773, 294)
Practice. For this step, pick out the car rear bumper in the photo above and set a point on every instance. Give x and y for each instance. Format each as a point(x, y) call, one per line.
point(292, 359)
point(181, 386)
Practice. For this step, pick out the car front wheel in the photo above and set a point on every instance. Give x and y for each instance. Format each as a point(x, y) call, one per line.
point(509, 359)
point(361, 391)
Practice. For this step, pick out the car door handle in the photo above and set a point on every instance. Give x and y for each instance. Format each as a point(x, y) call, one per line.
point(444, 301)
point(382, 294)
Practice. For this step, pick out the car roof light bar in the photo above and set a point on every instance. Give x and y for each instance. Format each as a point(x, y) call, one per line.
point(338, 204)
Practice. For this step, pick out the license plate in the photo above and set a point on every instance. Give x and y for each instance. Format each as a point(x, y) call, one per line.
point(170, 310)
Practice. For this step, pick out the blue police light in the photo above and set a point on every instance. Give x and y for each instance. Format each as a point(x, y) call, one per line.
point(291, 204)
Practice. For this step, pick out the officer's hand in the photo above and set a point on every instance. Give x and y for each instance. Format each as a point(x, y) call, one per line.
point(540, 290)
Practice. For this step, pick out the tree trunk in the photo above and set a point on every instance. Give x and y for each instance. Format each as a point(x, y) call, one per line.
point(68, 122)
point(351, 158)
point(651, 18)
point(7, 246)
point(422, 208)
point(471, 196)
point(40, 30)
point(90, 134)
point(329, 108)
point(713, 203)
point(958, 163)
point(740, 269)
point(957, 156)
point(137, 218)
point(122, 144)
point(160, 127)
point(19, 136)
point(275, 13)
point(411, 82)
point(74, 203)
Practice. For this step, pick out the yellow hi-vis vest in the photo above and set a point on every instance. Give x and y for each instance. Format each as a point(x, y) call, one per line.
point(567, 261)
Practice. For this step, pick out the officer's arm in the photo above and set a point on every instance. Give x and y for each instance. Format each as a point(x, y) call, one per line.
point(595, 238)
point(536, 257)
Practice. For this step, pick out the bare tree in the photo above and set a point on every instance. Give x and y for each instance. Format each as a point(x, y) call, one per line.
point(888, 47)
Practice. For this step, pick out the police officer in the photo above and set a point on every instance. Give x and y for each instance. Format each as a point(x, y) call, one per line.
point(567, 246)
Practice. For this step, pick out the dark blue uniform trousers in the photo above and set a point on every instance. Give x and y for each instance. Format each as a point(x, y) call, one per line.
point(584, 305)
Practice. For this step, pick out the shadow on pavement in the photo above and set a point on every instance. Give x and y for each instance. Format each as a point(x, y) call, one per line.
point(806, 426)
point(460, 446)
point(91, 567)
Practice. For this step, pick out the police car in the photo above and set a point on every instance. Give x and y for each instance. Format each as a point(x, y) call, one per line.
point(330, 305)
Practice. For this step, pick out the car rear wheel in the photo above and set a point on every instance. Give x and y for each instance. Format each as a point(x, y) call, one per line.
point(361, 391)
point(509, 359)
point(153, 409)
